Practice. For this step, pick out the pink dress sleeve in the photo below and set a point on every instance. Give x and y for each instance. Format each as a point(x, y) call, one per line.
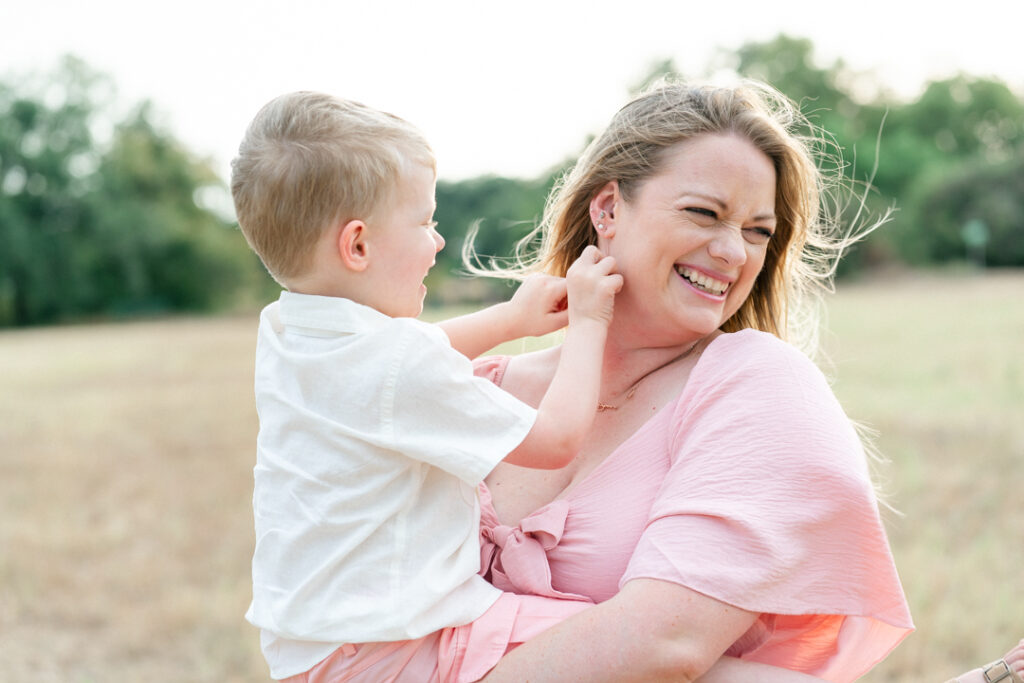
point(491, 368)
point(768, 506)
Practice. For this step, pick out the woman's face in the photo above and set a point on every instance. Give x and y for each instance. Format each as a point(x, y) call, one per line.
point(692, 239)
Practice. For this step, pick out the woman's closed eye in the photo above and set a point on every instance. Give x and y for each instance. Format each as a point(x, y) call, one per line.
point(701, 215)
point(709, 217)
point(758, 235)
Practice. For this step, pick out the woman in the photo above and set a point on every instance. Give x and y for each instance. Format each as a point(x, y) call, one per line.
point(722, 506)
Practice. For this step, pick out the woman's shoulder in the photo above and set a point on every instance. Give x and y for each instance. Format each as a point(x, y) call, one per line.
point(753, 367)
point(745, 343)
point(757, 354)
point(786, 405)
point(525, 376)
point(491, 367)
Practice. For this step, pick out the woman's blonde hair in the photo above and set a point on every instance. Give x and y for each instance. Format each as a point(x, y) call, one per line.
point(309, 160)
point(802, 255)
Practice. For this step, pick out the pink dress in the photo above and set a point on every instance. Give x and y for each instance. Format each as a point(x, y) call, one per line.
point(460, 654)
point(750, 487)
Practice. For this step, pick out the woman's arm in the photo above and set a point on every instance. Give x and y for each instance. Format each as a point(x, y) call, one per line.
point(729, 669)
point(650, 631)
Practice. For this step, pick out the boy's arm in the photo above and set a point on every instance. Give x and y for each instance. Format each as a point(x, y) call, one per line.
point(537, 308)
point(567, 410)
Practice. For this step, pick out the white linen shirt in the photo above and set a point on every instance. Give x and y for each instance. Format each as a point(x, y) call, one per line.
point(374, 433)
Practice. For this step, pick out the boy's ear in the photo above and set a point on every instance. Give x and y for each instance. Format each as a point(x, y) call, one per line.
point(353, 247)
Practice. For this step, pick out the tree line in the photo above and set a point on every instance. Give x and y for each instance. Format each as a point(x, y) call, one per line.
point(120, 224)
point(93, 230)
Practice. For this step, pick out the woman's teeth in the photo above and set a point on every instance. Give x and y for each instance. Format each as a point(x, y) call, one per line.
point(702, 281)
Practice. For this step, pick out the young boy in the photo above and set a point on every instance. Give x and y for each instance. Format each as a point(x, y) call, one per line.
point(374, 432)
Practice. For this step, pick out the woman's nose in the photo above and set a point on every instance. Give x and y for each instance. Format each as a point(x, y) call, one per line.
point(728, 245)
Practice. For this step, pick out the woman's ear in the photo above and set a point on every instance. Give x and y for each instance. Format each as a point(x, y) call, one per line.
point(353, 247)
point(602, 209)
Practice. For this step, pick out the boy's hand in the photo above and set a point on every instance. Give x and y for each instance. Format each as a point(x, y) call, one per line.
point(539, 305)
point(592, 284)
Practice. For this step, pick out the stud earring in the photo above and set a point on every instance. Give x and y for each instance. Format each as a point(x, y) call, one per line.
point(600, 227)
point(601, 215)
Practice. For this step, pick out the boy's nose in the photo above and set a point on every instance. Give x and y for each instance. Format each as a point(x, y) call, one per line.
point(439, 240)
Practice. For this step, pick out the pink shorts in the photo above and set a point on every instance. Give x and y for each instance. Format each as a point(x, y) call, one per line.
point(460, 654)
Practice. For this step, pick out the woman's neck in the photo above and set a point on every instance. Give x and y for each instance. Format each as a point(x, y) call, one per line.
point(631, 358)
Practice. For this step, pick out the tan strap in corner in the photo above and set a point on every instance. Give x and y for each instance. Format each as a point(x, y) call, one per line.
point(999, 671)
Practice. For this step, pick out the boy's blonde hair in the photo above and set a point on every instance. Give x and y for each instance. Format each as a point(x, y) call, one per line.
point(309, 160)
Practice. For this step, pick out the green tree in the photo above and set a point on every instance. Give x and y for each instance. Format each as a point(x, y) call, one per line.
point(503, 209)
point(46, 154)
point(958, 133)
point(154, 247)
point(954, 121)
point(105, 227)
point(986, 196)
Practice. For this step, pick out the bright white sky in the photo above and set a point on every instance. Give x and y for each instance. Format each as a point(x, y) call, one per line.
point(510, 87)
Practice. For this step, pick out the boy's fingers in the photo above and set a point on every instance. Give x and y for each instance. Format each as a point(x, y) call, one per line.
point(554, 281)
point(617, 281)
point(591, 253)
point(607, 264)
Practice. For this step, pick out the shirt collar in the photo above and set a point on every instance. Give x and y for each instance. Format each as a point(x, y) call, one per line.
point(328, 313)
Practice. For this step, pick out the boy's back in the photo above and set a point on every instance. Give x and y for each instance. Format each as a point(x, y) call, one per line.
point(373, 433)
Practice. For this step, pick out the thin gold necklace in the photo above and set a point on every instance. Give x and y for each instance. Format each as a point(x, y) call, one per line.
point(601, 407)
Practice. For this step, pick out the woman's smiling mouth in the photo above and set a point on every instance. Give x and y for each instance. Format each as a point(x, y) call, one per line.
point(702, 282)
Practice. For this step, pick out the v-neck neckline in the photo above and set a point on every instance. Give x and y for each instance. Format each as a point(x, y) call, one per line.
point(570, 492)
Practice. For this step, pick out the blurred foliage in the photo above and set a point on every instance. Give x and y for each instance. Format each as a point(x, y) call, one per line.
point(503, 211)
point(105, 225)
point(961, 212)
point(99, 228)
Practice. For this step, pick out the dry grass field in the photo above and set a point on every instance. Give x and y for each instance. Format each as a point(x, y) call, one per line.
point(125, 481)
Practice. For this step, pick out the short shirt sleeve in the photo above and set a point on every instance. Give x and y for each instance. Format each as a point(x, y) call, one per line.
point(768, 506)
point(437, 411)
